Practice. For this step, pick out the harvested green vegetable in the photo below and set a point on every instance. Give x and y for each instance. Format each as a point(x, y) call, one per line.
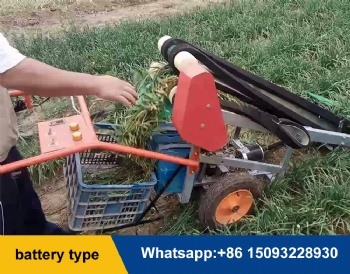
point(135, 125)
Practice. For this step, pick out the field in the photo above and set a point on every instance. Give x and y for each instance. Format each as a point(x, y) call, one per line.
point(301, 45)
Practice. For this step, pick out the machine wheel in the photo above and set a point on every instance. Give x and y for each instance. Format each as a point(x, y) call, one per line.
point(229, 199)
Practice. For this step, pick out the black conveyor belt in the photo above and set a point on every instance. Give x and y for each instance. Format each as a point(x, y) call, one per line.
point(271, 102)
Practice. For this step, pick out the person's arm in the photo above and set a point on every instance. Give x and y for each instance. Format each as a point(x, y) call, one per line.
point(37, 78)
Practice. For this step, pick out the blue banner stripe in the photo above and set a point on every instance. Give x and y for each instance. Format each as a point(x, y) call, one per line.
point(236, 254)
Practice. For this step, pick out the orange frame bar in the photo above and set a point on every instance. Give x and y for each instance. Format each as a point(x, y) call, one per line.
point(94, 144)
point(27, 99)
point(17, 93)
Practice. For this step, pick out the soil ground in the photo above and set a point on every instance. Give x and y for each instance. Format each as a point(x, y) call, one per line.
point(51, 16)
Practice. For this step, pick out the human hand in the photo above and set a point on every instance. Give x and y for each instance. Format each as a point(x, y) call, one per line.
point(113, 89)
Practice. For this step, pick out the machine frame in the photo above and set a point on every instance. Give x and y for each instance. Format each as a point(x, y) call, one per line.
point(59, 138)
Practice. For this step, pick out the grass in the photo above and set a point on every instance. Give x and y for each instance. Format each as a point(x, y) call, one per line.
point(29, 147)
point(29, 143)
point(302, 44)
point(9, 7)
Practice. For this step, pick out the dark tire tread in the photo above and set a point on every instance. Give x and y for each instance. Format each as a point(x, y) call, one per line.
point(227, 184)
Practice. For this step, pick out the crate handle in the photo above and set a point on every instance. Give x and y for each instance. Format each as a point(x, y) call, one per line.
point(94, 144)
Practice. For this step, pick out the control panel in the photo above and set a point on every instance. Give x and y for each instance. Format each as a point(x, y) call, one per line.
point(62, 133)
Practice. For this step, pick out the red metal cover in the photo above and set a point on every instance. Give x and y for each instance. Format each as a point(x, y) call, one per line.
point(197, 114)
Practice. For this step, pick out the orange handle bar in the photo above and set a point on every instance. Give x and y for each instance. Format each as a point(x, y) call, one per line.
point(95, 144)
point(28, 101)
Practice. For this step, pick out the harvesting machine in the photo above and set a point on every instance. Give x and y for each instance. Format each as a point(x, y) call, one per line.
point(192, 151)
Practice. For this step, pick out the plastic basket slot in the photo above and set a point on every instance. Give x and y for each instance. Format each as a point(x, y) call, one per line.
point(114, 196)
point(71, 204)
point(109, 223)
point(111, 202)
point(116, 199)
point(130, 207)
point(129, 200)
point(106, 138)
point(67, 170)
point(99, 194)
point(119, 192)
point(74, 180)
point(104, 215)
point(87, 155)
point(72, 192)
point(94, 207)
point(73, 169)
point(100, 161)
point(138, 191)
point(69, 160)
point(124, 221)
point(71, 183)
point(125, 218)
point(74, 202)
point(136, 196)
point(70, 169)
point(71, 180)
point(74, 184)
point(94, 158)
point(74, 196)
point(91, 222)
point(109, 219)
point(97, 199)
point(94, 211)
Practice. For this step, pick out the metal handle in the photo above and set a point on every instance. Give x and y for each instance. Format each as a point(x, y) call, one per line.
point(27, 99)
point(95, 144)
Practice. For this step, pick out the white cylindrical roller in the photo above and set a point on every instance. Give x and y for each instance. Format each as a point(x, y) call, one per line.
point(171, 95)
point(184, 58)
point(162, 40)
point(181, 59)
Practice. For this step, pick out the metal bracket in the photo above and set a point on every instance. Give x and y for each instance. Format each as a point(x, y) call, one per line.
point(185, 195)
point(169, 146)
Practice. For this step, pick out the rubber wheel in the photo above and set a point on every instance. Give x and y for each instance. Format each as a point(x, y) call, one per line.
point(228, 200)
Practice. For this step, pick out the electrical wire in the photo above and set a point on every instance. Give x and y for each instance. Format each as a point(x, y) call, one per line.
point(3, 219)
point(73, 104)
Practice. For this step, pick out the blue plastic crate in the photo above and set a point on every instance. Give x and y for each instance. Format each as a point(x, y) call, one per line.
point(165, 135)
point(94, 207)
